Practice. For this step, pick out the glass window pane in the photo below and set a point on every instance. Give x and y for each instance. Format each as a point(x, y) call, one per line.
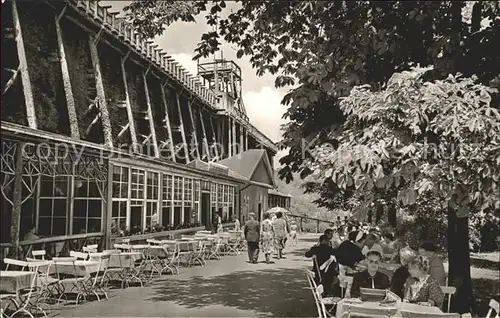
point(60, 207)
point(95, 208)
point(79, 226)
point(45, 207)
point(94, 225)
point(60, 186)
point(44, 226)
point(46, 186)
point(94, 189)
point(80, 209)
point(59, 226)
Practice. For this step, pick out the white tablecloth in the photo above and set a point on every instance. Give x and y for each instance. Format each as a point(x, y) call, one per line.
point(343, 305)
point(81, 268)
point(14, 281)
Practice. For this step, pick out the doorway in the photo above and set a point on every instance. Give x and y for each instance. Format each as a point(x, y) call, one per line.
point(205, 210)
point(259, 211)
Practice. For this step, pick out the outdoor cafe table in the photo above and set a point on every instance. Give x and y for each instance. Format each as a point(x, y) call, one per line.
point(80, 269)
point(401, 306)
point(13, 281)
point(118, 260)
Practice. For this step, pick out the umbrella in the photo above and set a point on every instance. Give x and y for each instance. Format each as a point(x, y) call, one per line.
point(277, 209)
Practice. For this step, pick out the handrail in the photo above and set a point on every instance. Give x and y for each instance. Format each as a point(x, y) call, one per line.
point(55, 239)
point(318, 221)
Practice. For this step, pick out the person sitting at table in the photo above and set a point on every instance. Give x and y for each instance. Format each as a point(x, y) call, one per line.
point(436, 267)
point(402, 274)
point(324, 254)
point(371, 245)
point(371, 277)
point(421, 288)
point(348, 252)
point(388, 243)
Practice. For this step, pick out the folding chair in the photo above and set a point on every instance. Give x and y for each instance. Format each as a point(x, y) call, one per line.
point(234, 242)
point(448, 291)
point(199, 253)
point(345, 286)
point(40, 253)
point(96, 284)
point(78, 284)
point(79, 255)
point(10, 262)
point(312, 286)
point(90, 248)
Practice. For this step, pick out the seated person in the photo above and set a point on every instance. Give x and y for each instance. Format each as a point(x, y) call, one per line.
point(371, 245)
point(388, 244)
point(436, 267)
point(349, 252)
point(421, 288)
point(323, 253)
point(401, 274)
point(371, 277)
point(333, 237)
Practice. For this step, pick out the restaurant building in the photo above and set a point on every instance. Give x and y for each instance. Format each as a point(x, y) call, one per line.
point(104, 135)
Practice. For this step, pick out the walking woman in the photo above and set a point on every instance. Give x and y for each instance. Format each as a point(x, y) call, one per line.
point(280, 233)
point(267, 236)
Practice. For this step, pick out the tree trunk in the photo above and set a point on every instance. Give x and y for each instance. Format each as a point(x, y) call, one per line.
point(17, 200)
point(459, 262)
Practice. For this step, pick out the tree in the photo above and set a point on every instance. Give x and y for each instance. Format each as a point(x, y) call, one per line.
point(326, 48)
point(427, 141)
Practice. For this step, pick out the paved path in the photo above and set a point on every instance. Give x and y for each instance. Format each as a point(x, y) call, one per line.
point(228, 288)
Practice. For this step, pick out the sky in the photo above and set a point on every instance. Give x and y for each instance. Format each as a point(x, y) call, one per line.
point(261, 99)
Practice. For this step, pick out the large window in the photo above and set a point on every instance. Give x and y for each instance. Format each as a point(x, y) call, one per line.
point(213, 196)
point(196, 199)
point(178, 185)
point(137, 200)
point(87, 207)
point(188, 200)
point(120, 197)
point(53, 208)
point(152, 186)
point(167, 199)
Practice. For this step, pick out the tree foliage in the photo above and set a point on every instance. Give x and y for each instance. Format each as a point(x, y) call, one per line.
point(422, 139)
point(327, 47)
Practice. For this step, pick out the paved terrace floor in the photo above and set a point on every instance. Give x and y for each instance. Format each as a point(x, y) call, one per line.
point(231, 287)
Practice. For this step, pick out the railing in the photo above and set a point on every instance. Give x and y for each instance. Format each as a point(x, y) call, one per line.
point(54, 246)
point(303, 217)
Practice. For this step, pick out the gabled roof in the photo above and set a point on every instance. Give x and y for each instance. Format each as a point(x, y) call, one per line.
point(247, 162)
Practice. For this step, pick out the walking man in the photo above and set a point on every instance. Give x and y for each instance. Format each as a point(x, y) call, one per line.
point(252, 236)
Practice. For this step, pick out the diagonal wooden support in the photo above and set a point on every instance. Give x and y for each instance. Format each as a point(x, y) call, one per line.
point(130, 115)
point(150, 115)
point(167, 121)
point(190, 104)
point(183, 134)
point(68, 91)
point(23, 64)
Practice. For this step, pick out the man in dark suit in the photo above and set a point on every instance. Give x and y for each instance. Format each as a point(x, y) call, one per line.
point(371, 277)
point(252, 236)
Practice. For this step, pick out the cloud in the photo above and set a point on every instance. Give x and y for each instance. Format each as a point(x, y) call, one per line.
point(186, 61)
point(265, 110)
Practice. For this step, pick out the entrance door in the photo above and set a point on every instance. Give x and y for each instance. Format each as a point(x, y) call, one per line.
point(259, 211)
point(205, 210)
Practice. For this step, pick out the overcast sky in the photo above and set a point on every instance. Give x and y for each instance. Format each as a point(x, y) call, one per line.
point(261, 99)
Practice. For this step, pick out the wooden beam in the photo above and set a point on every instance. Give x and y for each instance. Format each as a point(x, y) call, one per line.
point(167, 123)
point(101, 96)
point(214, 139)
point(234, 146)
point(242, 144)
point(229, 137)
point(23, 64)
point(70, 101)
point(205, 140)
point(17, 200)
point(150, 115)
point(183, 134)
point(130, 116)
point(194, 128)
